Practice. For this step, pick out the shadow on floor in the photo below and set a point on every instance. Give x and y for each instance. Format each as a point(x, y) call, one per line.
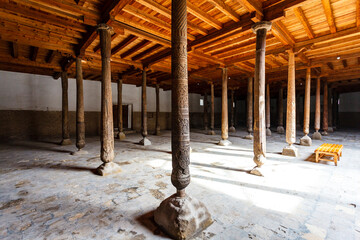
point(32, 146)
point(147, 221)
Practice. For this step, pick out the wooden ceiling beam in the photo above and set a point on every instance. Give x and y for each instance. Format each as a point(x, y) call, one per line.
point(344, 62)
point(50, 56)
point(97, 47)
point(205, 17)
point(146, 52)
point(303, 20)
point(134, 49)
point(330, 65)
point(123, 44)
point(358, 13)
point(252, 6)
point(80, 2)
point(329, 15)
point(34, 53)
point(282, 33)
point(225, 9)
point(14, 47)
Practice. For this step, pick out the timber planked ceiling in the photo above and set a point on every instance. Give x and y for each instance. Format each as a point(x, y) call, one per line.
point(44, 37)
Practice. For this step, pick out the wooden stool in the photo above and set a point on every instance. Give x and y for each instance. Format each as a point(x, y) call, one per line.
point(332, 150)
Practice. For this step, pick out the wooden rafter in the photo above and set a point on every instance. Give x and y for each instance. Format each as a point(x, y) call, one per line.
point(134, 49)
point(329, 15)
point(97, 47)
point(34, 53)
point(123, 44)
point(251, 6)
point(80, 2)
point(280, 31)
point(302, 18)
point(330, 65)
point(357, 13)
point(225, 9)
point(197, 12)
point(146, 52)
point(344, 62)
point(50, 56)
point(14, 49)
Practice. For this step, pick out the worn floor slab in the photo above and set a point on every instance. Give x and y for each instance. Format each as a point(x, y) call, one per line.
point(46, 193)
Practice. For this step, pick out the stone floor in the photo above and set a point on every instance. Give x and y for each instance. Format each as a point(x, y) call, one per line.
point(46, 193)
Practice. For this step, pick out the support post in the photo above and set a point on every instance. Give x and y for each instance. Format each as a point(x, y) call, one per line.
point(306, 140)
point(291, 150)
point(224, 110)
point(330, 103)
point(65, 110)
point(107, 127)
point(326, 110)
point(157, 124)
point(232, 111)
point(280, 128)
point(317, 135)
point(144, 141)
point(212, 110)
point(249, 108)
point(268, 131)
point(180, 215)
point(121, 135)
point(335, 109)
point(80, 115)
point(206, 122)
point(260, 28)
point(298, 123)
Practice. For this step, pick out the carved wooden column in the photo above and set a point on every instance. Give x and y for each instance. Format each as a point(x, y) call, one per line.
point(80, 115)
point(157, 124)
point(325, 110)
point(335, 109)
point(232, 111)
point(206, 122)
point(177, 213)
point(107, 127)
point(260, 28)
point(145, 141)
point(268, 131)
point(291, 150)
point(298, 124)
point(212, 110)
point(306, 140)
point(65, 110)
point(317, 134)
point(224, 110)
point(330, 109)
point(121, 135)
point(249, 109)
point(280, 128)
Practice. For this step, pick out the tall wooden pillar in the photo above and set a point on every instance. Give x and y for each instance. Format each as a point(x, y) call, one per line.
point(291, 150)
point(326, 110)
point(212, 110)
point(298, 123)
point(249, 109)
point(260, 28)
point(330, 109)
point(157, 124)
point(107, 127)
point(306, 140)
point(206, 121)
point(224, 110)
point(232, 112)
point(268, 131)
point(121, 135)
point(80, 115)
point(65, 110)
point(144, 141)
point(175, 220)
point(335, 109)
point(280, 128)
point(317, 134)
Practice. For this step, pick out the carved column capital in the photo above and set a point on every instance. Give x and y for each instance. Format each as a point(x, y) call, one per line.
point(104, 27)
point(261, 25)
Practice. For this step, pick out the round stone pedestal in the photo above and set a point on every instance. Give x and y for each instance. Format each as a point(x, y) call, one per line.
point(305, 141)
point(280, 129)
point(290, 150)
point(232, 129)
point(316, 136)
point(121, 136)
point(145, 142)
point(211, 132)
point(65, 142)
point(79, 153)
point(182, 217)
point(223, 142)
point(108, 168)
point(268, 132)
point(249, 136)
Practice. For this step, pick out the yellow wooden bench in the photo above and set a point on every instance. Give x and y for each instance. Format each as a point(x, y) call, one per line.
point(331, 150)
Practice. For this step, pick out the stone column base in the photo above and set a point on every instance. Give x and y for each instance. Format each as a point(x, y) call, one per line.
point(268, 132)
point(211, 132)
point(330, 130)
point(290, 150)
point(182, 218)
point(249, 136)
point(145, 142)
point(157, 131)
point(65, 142)
point(108, 169)
point(280, 129)
point(305, 141)
point(121, 136)
point(79, 152)
point(324, 133)
point(232, 129)
point(223, 142)
point(316, 136)
point(259, 160)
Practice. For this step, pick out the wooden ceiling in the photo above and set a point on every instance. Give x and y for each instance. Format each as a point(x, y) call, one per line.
point(44, 37)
